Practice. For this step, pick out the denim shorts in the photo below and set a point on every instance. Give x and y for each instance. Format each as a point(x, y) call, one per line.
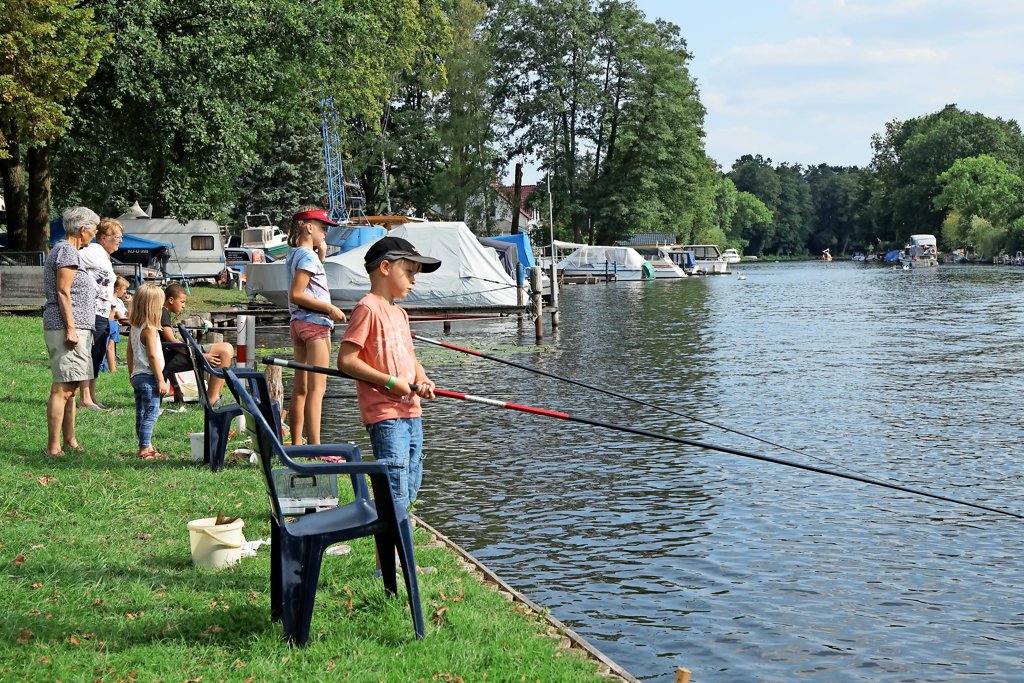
point(398, 443)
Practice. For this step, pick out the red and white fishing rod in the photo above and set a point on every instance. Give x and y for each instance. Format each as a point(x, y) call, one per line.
point(445, 393)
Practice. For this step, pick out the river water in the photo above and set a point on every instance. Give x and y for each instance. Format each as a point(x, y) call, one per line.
point(665, 555)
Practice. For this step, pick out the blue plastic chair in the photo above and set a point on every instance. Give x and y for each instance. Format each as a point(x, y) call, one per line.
point(297, 544)
point(216, 419)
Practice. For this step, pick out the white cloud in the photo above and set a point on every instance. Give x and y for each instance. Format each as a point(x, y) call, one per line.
point(818, 51)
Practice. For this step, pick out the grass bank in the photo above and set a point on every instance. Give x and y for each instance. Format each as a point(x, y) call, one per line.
point(99, 583)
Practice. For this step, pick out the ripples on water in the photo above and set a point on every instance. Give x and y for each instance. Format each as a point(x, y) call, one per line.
point(665, 555)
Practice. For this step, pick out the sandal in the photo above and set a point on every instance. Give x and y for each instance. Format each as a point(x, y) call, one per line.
point(152, 454)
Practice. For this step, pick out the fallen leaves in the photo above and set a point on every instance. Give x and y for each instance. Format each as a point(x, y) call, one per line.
point(439, 613)
point(45, 480)
point(25, 636)
point(19, 561)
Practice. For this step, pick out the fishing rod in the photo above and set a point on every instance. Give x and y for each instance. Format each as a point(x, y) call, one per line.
point(544, 412)
point(608, 392)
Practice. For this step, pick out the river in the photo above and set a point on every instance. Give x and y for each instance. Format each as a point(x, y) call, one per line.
point(665, 555)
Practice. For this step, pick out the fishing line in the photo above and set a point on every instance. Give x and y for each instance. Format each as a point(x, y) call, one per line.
point(609, 392)
point(544, 412)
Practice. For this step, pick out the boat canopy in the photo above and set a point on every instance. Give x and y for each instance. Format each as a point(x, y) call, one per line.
point(597, 257)
point(470, 274)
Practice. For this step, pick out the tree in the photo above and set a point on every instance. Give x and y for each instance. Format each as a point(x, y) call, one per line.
point(48, 50)
point(911, 154)
point(466, 121)
point(836, 193)
point(750, 218)
point(981, 186)
point(188, 99)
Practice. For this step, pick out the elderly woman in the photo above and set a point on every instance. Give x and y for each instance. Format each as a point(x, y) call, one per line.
point(68, 322)
point(95, 260)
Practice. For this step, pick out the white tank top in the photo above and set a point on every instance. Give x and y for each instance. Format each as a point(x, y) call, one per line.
point(142, 366)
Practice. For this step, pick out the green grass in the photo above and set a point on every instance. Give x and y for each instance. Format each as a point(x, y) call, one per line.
point(98, 582)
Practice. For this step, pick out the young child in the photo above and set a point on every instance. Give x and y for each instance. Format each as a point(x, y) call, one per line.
point(219, 354)
point(146, 365)
point(312, 319)
point(117, 316)
point(377, 351)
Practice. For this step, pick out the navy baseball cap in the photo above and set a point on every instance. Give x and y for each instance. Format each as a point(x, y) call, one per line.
point(394, 249)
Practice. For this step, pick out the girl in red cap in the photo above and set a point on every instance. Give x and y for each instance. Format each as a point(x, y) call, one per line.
point(312, 319)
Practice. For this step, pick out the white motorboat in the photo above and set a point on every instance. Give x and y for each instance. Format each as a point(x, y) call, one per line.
point(920, 252)
point(605, 263)
point(707, 259)
point(260, 233)
point(731, 256)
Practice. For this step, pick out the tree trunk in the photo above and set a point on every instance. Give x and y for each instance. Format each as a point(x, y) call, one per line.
point(39, 198)
point(16, 199)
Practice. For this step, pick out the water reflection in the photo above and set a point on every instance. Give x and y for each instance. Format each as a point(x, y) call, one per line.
point(666, 555)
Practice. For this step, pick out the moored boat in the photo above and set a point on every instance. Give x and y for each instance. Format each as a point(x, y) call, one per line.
point(260, 233)
point(470, 276)
point(706, 258)
point(731, 256)
point(920, 252)
point(607, 263)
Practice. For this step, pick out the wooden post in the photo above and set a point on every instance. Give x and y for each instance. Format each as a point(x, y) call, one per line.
point(555, 321)
point(682, 675)
point(538, 302)
point(520, 291)
point(274, 384)
point(447, 326)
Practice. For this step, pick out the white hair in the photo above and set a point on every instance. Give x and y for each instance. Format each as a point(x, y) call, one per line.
point(77, 218)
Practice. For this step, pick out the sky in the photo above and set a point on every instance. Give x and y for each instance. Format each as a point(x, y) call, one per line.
point(810, 81)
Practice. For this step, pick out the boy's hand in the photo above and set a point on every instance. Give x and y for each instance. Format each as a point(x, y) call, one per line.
point(400, 388)
point(162, 387)
point(425, 388)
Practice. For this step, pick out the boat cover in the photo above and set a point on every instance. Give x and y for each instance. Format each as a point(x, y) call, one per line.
point(596, 257)
point(523, 247)
point(507, 253)
point(470, 275)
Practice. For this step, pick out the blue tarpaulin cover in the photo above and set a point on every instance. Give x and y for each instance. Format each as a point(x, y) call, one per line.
point(523, 247)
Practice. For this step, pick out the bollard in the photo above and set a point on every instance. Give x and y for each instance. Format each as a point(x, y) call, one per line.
point(538, 302)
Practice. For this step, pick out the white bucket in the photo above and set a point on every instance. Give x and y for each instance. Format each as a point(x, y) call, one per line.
point(215, 546)
point(198, 444)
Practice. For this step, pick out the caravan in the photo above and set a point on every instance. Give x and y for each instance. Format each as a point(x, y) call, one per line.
point(197, 248)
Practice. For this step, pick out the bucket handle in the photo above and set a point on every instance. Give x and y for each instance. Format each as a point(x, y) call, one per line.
point(214, 535)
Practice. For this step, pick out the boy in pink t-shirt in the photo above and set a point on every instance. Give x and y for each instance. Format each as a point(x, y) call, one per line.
point(377, 351)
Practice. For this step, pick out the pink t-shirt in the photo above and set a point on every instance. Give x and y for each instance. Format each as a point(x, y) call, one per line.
point(381, 330)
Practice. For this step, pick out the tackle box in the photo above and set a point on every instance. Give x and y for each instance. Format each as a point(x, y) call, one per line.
point(301, 494)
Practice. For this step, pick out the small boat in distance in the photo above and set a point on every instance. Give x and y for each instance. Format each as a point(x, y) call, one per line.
point(826, 255)
point(920, 252)
point(260, 233)
point(731, 256)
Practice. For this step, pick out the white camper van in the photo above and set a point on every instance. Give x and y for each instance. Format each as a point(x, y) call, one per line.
point(197, 246)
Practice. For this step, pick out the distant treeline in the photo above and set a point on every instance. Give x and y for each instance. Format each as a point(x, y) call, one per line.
point(211, 109)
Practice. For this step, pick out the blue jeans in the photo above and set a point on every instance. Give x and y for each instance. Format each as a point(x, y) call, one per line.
point(398, 443)
point(147, 407)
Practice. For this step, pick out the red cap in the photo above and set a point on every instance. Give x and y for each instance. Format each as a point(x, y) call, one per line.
point(314, 215)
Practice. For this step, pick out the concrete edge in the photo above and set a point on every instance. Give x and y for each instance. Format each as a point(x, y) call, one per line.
point(613, 670)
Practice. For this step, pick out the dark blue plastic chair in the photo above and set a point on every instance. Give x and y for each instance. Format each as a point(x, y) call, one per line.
point(297, 544)
point(216, 419)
